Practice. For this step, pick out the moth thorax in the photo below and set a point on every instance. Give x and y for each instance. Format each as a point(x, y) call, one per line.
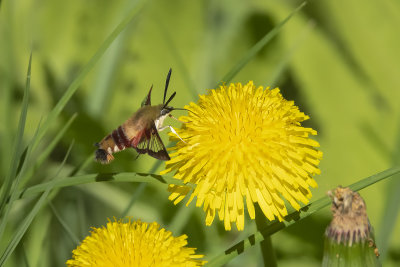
point(159, 121)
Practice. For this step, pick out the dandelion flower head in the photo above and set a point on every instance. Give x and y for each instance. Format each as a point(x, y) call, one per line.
point(244, 145)
point(134, 244)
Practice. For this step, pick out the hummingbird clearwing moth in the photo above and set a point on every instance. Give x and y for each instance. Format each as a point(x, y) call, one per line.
point(140, 131)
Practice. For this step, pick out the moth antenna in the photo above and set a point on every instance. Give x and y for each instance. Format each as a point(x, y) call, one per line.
point(166, 85)
point(169, 99)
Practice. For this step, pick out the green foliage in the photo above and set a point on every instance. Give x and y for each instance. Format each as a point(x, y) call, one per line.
point(91, 67)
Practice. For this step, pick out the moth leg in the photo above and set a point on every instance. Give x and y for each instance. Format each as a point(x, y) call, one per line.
point(172, 130)
point(170, 115)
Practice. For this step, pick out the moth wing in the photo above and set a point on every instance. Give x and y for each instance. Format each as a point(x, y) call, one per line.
point(153, 145)
point(147, 100)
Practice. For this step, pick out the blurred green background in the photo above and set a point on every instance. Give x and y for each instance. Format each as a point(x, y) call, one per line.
point(339, 60)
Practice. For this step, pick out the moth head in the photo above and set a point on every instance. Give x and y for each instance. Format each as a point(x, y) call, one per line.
point(166, 110)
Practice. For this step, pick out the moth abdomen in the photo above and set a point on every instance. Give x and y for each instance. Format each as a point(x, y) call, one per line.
point(103, 157)
point(120, 139)
point(112, 143)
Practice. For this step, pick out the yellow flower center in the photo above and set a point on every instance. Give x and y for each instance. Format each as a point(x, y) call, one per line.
point(243, 141)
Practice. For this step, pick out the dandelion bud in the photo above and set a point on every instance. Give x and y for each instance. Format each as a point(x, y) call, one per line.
point(348, 239)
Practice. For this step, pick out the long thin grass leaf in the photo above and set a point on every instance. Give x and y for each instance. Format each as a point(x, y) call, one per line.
point(178, 58)
point(25, 257)
point(14, 189)
point(292, 218)
point(180, 218)
point(82, 166)
point(257, 47)
point(86, 69)
point(47, 150)
point(64, 225)
point(101, 92)
point(25, 225)
point(17, 151)
point(142, 187)
point(138, 192)
point(10, 181)
point(392, 207)
point(100, 177)
point(64, 160)
point(22, 228)
point(284, 62)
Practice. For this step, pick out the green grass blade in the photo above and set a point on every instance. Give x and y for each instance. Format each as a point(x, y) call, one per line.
point(285, 61)
point(5, 135)
point(392, 207)
point(292, 218)
point(14, 189)
point(64, 160)
point(389, 217)
point(25, 257)
point(181, 218)
point(25, 225)
point(82, 166)
point(373, 138)
point(179, 60)
point(11, 181)
point(47, 151)
point(22, 228)
point(99, 177)
point(17, 151)
point(138, 192)
point(102, 91)
point(86, 69)
point(257, 47)
point(64, 225)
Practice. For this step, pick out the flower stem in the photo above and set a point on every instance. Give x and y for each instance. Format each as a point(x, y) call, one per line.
point(267, 249)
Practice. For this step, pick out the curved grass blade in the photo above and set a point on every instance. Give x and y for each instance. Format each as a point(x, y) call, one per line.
point(82, 166)
point(178, 58)
point(292, 218)
point(11, 183)
point(14, 189)
point(102, 91)
point(139, 191)
point(23, 227)
point(86, 69)
point(64, 225)
point(392, 207)
point(99, 177)
point(284, 62)
point(181, 218)
point(17, 151)
point(257, 47)
point(47, 150)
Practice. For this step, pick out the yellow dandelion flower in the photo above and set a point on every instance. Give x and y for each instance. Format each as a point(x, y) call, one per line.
point(243, 145)
point(134, 244)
